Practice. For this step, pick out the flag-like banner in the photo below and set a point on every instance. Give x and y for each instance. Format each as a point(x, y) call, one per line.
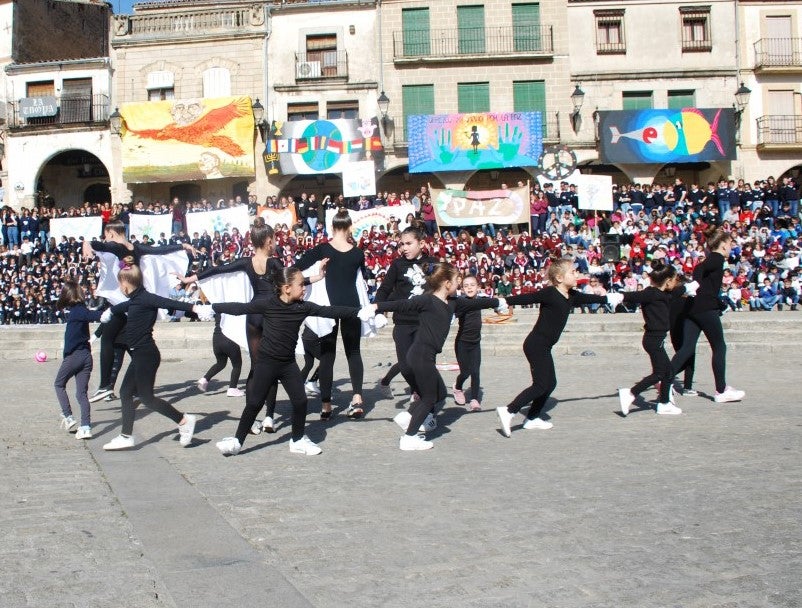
point(166, 141)
point(87, 227)
point(370, 218)
point(219, 220)
point(151, 226)
point(303, 147)
point(595, 192)
point(474, 208)
point(276, 217)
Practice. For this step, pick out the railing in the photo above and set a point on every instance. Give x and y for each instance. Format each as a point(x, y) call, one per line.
point(611, 48)
point(70, 109)
point(778, 52)
point(213, 21)
point(319, 65)
point(551, 128)
point(492, 41)
point(779, 130)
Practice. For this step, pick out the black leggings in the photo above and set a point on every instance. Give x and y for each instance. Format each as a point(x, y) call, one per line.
point(112, 339)
point(266, 373)
point(469, 357)
point(225, 349)
point(661, 367)
point(676, 341)
point(404, 336)
point(253, 333)
point(537, 349)
point(708, 322)
point(139, 380)
point(391, 373)
point(311, 343)
point(351, 332)
point(429, 385)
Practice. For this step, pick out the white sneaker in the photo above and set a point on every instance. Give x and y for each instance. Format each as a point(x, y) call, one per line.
point(268, 426)
point(505, 418)
point(186, 430)
point(69, 424)
point(100, 394)
point(120, 443)
point(668, 409)
point(538, 423)
point(304, 446)
point(626, 399)
point(689, 392)
point(311, 389)
point(403, 419)
point(386, 390)
point(84, 433)
point(412, 443)
point(256, 427)
point(230, 446)
point(730, 394)
point(203, 384)
point(234, 392)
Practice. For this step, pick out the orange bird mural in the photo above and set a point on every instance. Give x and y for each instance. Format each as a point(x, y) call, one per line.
point(202, 132)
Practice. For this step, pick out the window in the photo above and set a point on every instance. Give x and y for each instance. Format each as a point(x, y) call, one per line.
point(777, 48)
point(160, 86)
point(471, 29)
point(322, 49)
point(161, 94)
point(677, 100)
point(636, 100)
point(416, 99)
point(76, 100)
point(342, 109)
point(530, 96)
point(610, 32)
point(302, 111)
point(526, 34)
point(216, 82)
point(40, 89)
point(695, 28)
point(415, 26)
point(473, 97)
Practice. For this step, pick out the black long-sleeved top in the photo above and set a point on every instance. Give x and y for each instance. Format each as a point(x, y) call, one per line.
point(405, 279)
point(340, 271)
point(262, 284)
point(76, 334)
point(709, 275)
point(434, 324)
point(142, 308)
point(554, 309)
point(655, 306)
point(281, 321)
point(121, 251)
point(470, 325)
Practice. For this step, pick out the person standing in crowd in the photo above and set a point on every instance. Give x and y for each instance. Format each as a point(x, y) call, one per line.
point(468, 348)
point(224, 349)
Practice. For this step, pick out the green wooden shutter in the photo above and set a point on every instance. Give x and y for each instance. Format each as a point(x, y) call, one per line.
point(526, 27)
point(530, 96)
point(416, 99)
point(471, 29)
point(680, 99)
point(636, 100)
point(473, 97)
point(415, 26)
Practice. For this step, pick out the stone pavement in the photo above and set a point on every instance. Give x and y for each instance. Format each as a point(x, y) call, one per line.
point(699, 510)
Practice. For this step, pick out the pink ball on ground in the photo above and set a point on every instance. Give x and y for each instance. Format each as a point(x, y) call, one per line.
point(40, 356)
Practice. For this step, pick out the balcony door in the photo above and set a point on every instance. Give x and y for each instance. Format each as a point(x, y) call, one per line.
point(780, 45)
point(76, 100)
point(781, 117)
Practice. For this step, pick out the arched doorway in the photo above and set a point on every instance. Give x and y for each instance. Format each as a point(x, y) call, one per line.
point(399, 180)
point(185, 192)
point(69, 178)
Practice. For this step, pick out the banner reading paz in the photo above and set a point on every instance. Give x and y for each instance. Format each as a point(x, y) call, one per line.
point(474, 208)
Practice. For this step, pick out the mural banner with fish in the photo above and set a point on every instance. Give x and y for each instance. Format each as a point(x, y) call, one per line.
point(467, 142)
point(477, 207)
point(667, 136)
point(308, 147)
point(191, 139)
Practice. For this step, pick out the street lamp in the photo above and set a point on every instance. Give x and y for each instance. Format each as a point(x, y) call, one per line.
point(741, 101)
point(577, 99)
point(258, 117)
point(116, 122)
point(384, 104)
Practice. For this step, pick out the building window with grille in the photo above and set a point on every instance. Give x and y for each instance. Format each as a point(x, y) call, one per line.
point(471, 29)
point(416, 99)
point(415, 31)
point(696, 28)
point(303, 111)
point(677, 100)
point(526, 31)
point(342, 109)
point(530, 96)
point(610, 32)
point(473, 97)
point(637, 100)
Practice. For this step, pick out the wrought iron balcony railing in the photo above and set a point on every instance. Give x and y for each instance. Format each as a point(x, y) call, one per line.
point(778, 53)
point(779, 130)
point(472, 42)
point(63, 110)
point(320, 65)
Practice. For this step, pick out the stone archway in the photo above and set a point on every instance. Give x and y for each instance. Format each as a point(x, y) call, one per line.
point(70, 176)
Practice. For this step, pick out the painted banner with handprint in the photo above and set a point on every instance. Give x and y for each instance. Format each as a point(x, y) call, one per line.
point(192, 139)
point(466, 142)
point(474, 208)
point(219, 220)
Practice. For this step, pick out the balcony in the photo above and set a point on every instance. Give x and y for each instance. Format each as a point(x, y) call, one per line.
point(321, 66)
point(73, 110)
point(183, 25)
point(778, 54)
point(779, 132)
point(471, 44)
